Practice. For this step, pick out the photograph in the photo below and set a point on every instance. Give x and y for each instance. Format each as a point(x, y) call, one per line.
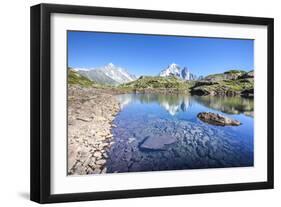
point(150, 102)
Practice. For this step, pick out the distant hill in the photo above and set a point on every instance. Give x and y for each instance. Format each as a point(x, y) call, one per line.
point(154, 82)
point(232, 82)
point(108, 75)
point(227, 75)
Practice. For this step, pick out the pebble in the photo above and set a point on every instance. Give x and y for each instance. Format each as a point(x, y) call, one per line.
point(101, 162)
point(97, 154)
point(97, 171)
point(104, 170)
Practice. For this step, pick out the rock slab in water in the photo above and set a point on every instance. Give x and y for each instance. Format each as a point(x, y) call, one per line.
point(217, 119)
point(157, 142)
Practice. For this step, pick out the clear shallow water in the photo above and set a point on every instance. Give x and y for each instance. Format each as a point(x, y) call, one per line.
point(162, 132)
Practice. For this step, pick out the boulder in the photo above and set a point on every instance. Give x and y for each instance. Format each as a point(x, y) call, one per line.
point(217, 119)
point(157, 142)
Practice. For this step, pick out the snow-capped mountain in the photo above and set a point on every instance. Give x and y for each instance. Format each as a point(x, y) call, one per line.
point(175, 70)
point(118, 74)
point(171, 70)
point(108, 74)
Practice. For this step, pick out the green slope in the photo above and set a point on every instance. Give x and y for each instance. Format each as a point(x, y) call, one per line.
point(233, 82)
point(76, 79)
point(148, 82)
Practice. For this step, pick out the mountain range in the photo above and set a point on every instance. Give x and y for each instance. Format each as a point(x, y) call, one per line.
point(115, 75)
point(229, 83)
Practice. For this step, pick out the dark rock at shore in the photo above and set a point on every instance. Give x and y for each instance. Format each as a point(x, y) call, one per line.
point(200, 91)
point(248, 93)
point(217, 119)
point(205, 82)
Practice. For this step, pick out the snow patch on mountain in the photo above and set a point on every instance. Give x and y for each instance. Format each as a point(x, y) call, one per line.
point(80, 69)
point(117, 73)
point(108, 74)
point(175, 70)
point(171, 70)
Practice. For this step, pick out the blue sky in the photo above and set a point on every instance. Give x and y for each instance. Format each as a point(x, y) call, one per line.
point(149, 54)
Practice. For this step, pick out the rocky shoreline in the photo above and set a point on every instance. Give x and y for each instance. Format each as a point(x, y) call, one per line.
point(91, 145)
point(90, 115)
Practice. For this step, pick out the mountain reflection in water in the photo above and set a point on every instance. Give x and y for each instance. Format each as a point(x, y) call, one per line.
point(182, 102)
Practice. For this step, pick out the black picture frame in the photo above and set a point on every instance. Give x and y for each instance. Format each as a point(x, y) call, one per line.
point(41, 99)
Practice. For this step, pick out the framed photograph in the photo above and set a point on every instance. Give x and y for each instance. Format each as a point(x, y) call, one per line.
point(133, 103)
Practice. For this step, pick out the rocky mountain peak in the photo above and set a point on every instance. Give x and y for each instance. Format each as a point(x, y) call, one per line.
point(111, 65)
point(175, 70)
point(185, 74)
point(172, 70)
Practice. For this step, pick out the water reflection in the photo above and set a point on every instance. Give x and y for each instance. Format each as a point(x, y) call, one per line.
point(229, 105)
point(174, 104)
point(162, 132)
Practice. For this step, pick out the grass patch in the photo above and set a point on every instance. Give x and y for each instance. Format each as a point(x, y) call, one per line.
point(148, 82)
point(235, 71)
point(76, 79)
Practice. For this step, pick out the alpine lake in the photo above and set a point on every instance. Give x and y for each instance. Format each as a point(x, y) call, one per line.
point(157, 132)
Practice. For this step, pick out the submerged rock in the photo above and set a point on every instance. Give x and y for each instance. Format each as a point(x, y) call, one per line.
point(157, 142)
point(217, 119)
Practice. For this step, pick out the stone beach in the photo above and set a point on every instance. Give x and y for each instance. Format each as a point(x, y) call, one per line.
point(90, 115)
